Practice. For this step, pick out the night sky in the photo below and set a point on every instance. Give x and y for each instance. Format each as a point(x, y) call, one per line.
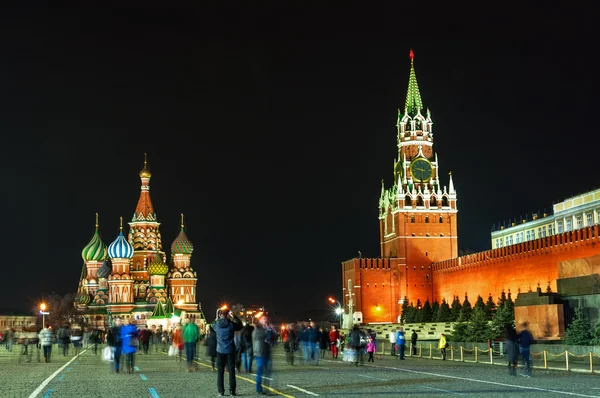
point(271, 129)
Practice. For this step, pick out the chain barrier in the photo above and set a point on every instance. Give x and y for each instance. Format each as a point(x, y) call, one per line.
point(428, 351)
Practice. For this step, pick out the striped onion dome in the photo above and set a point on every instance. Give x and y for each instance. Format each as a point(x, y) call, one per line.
point(105, 270)
point(182, 244)
point(158, 266)
point(83, 298)
point(120, 248)
point(95, 249)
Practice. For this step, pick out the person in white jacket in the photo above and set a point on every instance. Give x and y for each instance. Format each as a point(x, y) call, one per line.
point(46, 340)
point(393, 341)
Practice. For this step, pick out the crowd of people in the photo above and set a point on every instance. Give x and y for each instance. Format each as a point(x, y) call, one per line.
point(235, 346)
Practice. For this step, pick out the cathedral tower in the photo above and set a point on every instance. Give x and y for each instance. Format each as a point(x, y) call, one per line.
point(144, 236)
point(417, 215)
point(120, 282)
point(181, 279)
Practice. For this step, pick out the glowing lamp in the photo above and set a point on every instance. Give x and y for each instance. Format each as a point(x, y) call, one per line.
point(339, 311)
point(43, 307)
point(378, 308)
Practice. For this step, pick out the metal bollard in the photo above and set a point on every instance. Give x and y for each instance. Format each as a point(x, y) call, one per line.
point(567, 359)
point(430, 351)
point(545, 360)
point(591, 363)
point(462, 357)
point(475, 354)
point(491, 356)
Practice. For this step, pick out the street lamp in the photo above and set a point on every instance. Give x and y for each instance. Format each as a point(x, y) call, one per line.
point(339, 310)
point(44, 313)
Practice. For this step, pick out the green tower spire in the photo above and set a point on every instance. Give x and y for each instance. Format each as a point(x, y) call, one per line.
point(413, 97)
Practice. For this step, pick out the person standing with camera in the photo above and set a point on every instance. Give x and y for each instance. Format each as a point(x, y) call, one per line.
point(225, 326)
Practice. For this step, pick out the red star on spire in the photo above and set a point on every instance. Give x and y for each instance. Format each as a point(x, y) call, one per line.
point(411, 55)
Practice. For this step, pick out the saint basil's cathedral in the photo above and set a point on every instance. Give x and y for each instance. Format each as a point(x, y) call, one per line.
point(131, 276)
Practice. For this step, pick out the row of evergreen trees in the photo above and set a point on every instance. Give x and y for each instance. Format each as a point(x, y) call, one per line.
point(486, 320)
point(460, 312)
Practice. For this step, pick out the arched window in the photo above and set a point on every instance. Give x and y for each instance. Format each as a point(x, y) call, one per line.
point(441, 219)
point(412, 218)
point(407, 200)
point(420, 201)
point(433, 202)
point(445, 202)
point(426, 219)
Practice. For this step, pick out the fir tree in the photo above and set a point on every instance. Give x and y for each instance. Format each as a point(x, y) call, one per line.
point(478, 329)
point(479, 303)
point(435, 307)
point(425, 314)
point(455, 309)
point(490, 307)
point(510, 306)
point(411, 314)
point(465, 311)
point(579, 331)
point(459, 333)
point(443, 313)
point(596, 334)
point(503, 316)
point(404, 310)
point(501, 299)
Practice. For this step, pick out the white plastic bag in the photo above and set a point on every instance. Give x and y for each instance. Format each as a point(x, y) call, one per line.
point(172, 351)
point(108, 355)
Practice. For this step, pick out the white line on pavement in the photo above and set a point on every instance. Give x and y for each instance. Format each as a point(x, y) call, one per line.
point(442, 390)
point(264, 377)
point(303, 390)
point(52, 376)
point(373, 377)
point(489, 382)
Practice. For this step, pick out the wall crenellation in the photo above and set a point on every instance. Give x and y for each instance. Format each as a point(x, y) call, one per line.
point(583, 236)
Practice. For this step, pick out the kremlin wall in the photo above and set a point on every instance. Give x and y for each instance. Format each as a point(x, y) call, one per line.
point(548, 276)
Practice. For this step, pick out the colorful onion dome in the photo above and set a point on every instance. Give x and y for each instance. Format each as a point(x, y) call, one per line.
point(145, 172)
point(158, 266)
point(95, 249)
point(120, 248)
point(182, 244)
point(105, 270)
point(83, 298)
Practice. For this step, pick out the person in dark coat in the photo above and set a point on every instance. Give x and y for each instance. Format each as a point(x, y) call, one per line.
point(323, 342)
point(511, 348)
point(211, 346)
point(225, 327)
point(413, 342)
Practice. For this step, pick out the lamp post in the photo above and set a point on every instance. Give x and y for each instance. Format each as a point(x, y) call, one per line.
point(44, 313)
point(338, 310)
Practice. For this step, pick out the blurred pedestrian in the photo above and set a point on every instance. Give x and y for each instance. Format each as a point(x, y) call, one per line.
point(413, 342)
point(46, 340)
point(511, 348)
point(190, 338)
point(442, 345)
point(211, 346)
point(525, 340)
point(262, 339)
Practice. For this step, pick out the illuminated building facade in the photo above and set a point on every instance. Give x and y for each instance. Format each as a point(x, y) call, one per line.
point(130, 277)
point(419, 245)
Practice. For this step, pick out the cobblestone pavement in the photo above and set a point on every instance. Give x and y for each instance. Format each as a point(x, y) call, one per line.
point(158, 375)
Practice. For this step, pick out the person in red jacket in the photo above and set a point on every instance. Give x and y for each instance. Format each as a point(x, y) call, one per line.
point(334, 338)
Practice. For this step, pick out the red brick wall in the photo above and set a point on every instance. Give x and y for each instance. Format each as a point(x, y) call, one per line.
point(518, 267)
point(513, 268)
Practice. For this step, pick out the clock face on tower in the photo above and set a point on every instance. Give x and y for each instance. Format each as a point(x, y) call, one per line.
point(421, 170)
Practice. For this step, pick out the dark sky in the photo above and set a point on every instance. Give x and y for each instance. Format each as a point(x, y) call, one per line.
point(271, 129)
